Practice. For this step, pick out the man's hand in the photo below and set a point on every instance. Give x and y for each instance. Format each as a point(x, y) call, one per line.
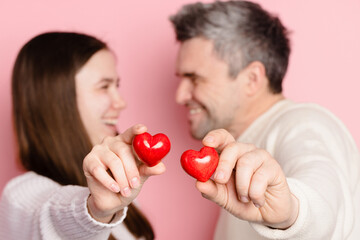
point(114, 175)
point(249, 183)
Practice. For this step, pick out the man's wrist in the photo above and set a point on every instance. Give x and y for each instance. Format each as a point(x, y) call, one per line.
point(294, 212)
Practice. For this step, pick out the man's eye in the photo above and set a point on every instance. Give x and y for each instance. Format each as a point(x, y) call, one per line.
point(194, 80)
point(104, 86)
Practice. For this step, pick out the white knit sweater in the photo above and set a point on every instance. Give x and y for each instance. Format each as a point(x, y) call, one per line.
point(35, 207)
point(322, 165)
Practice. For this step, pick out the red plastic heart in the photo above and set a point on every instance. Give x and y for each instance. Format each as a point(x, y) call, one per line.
point(200, 165)
point(151, 149)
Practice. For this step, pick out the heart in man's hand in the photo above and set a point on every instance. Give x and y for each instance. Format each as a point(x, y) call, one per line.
point(200, 164)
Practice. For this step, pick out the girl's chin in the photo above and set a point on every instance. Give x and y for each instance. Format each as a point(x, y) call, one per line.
point(112, 130)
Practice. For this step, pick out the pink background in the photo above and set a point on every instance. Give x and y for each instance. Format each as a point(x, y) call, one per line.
point(323, 68)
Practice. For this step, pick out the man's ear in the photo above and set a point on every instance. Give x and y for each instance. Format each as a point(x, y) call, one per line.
point(256, 79)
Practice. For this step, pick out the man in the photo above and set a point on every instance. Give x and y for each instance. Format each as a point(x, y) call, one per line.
point(294, 170)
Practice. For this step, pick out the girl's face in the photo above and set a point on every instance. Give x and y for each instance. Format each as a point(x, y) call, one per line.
point(98, 99)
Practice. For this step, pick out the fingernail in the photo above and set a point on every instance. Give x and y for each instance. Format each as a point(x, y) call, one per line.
point(257, 205)
point(205, 196)
point(209, 139)
point(138, 127)
point(126, 191)
point(219, 175)
point(244, 199)
point(135, 182)
point(115, 188)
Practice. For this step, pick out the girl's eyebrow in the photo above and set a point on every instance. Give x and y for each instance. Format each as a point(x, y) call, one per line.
point(110, 80)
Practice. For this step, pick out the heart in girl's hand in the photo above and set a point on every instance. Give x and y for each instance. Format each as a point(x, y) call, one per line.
point(200, 165)
point(151, 149)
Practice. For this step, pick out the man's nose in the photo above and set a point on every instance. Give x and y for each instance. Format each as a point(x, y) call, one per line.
point(184, 91)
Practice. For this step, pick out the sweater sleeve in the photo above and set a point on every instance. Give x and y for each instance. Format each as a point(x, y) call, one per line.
point(35, 207)
point(321, 163)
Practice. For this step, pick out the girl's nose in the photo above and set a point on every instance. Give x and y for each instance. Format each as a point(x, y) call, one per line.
point(118, 101)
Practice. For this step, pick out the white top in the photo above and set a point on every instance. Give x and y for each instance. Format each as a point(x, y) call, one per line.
point(321, 162)
point(35, 207)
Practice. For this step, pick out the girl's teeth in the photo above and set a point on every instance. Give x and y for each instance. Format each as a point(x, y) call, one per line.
point(110, 121)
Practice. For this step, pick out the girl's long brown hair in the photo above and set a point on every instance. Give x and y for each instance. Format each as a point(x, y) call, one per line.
point(52, 140)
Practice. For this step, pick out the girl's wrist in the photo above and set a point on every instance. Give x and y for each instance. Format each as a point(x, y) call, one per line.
point(96, 213)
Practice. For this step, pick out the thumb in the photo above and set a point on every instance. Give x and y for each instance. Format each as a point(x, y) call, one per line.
point(212, 191)
point(146, 171)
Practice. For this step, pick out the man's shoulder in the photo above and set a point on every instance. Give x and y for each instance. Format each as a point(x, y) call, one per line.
point(288, 116)
point(308, 117)
point(306, 112)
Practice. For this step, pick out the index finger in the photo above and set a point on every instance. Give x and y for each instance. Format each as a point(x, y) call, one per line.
point(228, 159)
point(230, 152)
point(218, 139)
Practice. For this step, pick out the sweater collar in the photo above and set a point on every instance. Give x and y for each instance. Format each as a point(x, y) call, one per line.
point(248, 135)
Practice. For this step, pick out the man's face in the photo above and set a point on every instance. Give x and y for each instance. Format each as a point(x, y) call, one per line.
point(212, 97)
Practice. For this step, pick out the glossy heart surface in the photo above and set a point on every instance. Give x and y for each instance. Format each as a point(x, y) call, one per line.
point(200, 164)
point(151, 149)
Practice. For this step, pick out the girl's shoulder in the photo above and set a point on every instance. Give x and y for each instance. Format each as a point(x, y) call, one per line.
point(28, 189)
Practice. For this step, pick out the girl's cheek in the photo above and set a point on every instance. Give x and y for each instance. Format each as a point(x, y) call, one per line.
point(100, 103)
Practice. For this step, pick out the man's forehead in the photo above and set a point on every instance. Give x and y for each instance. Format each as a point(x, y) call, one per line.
point(195, 56)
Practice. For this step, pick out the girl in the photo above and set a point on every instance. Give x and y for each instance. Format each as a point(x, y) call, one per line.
point(81, 175)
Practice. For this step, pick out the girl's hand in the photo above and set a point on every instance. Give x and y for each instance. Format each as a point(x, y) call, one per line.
point(114, 175)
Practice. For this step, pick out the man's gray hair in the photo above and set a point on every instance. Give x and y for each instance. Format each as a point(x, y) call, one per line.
point(242, 32)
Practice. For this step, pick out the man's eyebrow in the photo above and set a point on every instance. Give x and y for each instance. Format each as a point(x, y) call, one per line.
point(188, 75)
